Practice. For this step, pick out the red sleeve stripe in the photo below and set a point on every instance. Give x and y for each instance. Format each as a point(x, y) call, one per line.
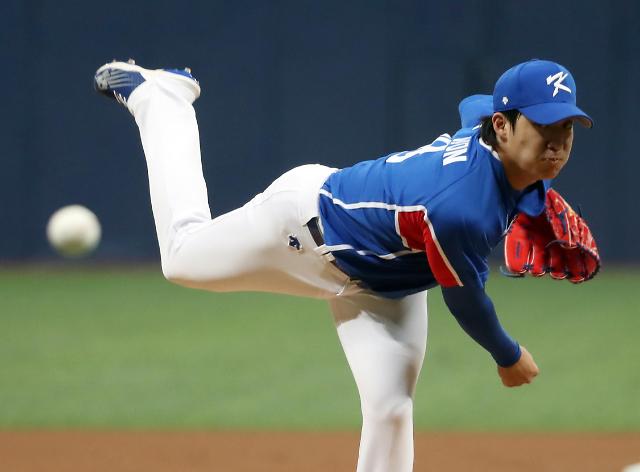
point(440, 266)
point(399, 229)
point(417, 233)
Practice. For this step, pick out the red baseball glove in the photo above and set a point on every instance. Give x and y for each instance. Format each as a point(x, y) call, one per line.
point(557, 242)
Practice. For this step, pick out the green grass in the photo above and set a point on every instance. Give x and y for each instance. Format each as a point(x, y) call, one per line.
point(87, 348)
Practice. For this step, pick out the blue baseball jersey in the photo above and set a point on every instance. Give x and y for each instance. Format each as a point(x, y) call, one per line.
point(411, 220)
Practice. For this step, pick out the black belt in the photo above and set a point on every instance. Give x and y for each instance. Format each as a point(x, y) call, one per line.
point(314, 228)
point(316, 233)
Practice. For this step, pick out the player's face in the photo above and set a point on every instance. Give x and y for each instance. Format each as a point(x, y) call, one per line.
point(537, 151)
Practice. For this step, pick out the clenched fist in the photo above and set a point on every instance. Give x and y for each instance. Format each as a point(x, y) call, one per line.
point(522, 372)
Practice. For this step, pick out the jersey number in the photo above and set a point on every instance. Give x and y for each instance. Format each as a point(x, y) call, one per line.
point(454, 150)
point(439, 144)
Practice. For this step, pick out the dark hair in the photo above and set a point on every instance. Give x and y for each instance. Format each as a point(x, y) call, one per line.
point(488, 134)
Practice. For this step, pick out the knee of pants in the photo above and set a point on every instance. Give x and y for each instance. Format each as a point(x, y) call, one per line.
point(175, 272)
point(175, 276)
point(391, 410)
point(193, 269)
point(187, 272)
point(187, 262)
point(182, 273)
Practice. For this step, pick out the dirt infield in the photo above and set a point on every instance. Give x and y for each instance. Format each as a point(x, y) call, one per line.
point(307, 452)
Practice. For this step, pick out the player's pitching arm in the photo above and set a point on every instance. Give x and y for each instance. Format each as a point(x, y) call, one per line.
point(474, 311)
point(461, 280)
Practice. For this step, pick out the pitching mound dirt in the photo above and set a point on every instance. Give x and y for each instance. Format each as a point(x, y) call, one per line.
point(307, 452)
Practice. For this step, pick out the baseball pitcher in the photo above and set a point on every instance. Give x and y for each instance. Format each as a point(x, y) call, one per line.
point(373, 238)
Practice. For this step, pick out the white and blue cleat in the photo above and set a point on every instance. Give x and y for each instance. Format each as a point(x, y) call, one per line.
point(118, 80)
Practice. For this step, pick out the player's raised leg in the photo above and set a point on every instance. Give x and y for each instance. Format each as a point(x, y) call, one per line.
point(161, 102)
point(384, 341)
point(261, 246)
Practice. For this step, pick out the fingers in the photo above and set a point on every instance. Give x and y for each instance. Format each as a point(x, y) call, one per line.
point(538, 259)
point(575, 265)
point(514, 384)
point(515, 381)
point(564, 221)
point(521, 373)
point(586, 238)
point(591, 264)
point(574, 228)
point(557, 215)
point(556, 262)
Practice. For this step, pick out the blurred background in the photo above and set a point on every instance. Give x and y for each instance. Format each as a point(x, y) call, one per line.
point(106, 342)
point(292, 82)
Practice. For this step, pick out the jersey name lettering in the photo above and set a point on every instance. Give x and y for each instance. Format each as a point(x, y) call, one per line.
point(456, 151)
point(439, 144)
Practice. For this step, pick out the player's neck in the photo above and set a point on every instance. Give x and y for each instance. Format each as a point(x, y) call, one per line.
point(518, 178)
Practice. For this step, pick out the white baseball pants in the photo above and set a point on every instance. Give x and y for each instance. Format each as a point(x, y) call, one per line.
point(251, 249)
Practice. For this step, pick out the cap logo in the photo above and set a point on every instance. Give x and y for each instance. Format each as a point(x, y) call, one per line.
point(505, 100)
point(559, 77)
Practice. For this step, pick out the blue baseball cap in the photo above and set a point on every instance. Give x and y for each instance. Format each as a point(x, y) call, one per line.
point(543, 91)
point(474, 108)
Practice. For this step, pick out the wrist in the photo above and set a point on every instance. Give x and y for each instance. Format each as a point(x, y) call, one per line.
point(512, 359)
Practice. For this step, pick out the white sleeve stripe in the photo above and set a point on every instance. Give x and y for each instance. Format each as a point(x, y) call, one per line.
point(392, 255)
point(391, 207)
point(360, 205)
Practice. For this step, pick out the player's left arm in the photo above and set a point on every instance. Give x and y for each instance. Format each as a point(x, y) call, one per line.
point(456, 250)
point(475, 313)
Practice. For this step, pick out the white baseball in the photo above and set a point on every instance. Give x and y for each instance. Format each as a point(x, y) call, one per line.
point(632, 468)
point(74, 231)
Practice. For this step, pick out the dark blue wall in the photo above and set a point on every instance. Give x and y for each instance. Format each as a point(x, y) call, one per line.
point(291, 82)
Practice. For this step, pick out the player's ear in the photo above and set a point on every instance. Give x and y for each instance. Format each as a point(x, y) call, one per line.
point(500, 125)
